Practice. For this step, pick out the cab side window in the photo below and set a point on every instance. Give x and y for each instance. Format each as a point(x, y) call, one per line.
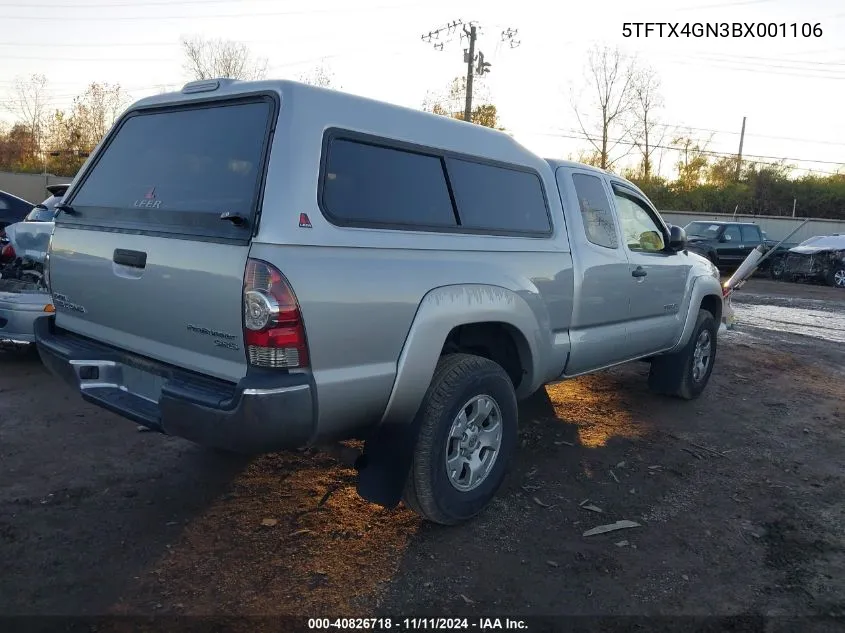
point(750, 235)
point(733, 232)
point(595, 211)
point(639, 230)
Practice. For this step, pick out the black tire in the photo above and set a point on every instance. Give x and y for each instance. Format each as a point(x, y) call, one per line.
point(836, 276)
point(777, 269)
point(673, 374)
point(457, 379)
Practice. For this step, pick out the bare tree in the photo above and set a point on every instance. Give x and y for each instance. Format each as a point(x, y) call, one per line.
point(609, 77)
point(452, 100)
point(28, 104)
point(96, 110)
point(210, 59)
point(321, 75)
point(692, 159)
point(647, 102)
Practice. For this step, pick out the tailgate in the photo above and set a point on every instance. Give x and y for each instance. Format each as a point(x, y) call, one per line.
point(148, 259)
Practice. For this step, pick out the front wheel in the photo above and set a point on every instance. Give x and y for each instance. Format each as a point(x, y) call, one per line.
point(777, 269)
point(836, 276)
point(468, 432)
point(685, 374)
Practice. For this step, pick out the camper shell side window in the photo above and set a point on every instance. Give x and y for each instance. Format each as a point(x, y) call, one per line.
point(373, 182)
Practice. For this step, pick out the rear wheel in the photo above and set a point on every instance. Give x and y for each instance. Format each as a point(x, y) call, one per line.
point(777, 269)
point(836, 276)
point(685, 374)
point(468, 431)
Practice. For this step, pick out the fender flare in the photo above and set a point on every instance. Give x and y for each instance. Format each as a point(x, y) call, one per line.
point(703, 286)
point(440, 311)
point(389, 449)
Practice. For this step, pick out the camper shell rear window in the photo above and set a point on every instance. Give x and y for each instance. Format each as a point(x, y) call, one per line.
point(179, 169)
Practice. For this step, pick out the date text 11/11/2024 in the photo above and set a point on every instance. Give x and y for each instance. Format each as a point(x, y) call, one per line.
point(417, 624)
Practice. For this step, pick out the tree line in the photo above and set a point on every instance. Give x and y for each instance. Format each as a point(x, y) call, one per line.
point(619, 113)
point(51, 140)
point(618, 109)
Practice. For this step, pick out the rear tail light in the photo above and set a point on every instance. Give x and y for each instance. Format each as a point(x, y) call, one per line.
point(274, 334)
point(7, 254)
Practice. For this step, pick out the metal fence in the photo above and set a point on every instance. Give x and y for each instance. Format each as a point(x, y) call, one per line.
point(32, 187)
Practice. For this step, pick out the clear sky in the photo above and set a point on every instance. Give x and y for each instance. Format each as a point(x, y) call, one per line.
point(792, 89)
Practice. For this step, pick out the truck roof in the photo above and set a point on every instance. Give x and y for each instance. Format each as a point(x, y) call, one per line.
point(725, 223)
point(557, 162)
point(317, 109)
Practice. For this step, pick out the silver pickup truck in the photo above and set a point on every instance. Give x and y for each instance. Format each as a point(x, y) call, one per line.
point(263, 266)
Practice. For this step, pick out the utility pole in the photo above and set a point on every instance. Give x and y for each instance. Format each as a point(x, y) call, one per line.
point(471, 32)
point(469, 58)
point(739, 155)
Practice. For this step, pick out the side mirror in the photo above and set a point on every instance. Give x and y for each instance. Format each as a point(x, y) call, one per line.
point(677, 239)
point(725, 238)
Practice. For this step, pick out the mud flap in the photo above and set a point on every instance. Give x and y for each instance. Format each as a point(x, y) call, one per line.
point(384, 466)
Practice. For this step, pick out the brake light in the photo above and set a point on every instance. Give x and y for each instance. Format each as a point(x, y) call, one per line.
point(7, 253)
point(274, 333)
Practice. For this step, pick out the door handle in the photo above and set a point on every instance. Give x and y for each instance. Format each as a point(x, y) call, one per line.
point(134, 259)
point(639, 271)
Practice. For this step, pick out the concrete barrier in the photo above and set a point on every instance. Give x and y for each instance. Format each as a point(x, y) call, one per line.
point(32, 187)
point(775, 227)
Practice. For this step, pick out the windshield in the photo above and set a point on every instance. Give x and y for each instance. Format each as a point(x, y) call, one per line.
point(41, 213)
point(702, 229)
point(826, 241)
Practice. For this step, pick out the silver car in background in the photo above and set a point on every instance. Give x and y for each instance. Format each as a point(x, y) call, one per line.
point(23, 291)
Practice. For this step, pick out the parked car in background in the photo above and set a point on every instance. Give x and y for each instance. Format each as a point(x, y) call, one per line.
point(12, 209)
point(46, 211)
point(726, 244)
point(23, 291)
point(820, 258)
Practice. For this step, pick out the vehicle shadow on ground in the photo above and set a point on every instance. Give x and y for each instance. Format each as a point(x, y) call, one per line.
point(579, 441)
point(87, 502)
point(139, 523)
point(144, 524)
point(290, 535)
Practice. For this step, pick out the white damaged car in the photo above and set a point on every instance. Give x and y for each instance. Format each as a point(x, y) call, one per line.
point(23, 291)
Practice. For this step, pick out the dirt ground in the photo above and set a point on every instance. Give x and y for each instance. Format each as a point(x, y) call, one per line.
point(739, 497)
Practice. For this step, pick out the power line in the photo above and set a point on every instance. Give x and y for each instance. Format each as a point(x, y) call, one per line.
point(109, 5)
point(734, 132)
point(769, 59)
point(723, 4)
point(54, 99)
point(63, 58)
point(720, 65)
point(470, 31)
point(755, 65)
point(580, 136)
point(167, 44)
point(240, 14)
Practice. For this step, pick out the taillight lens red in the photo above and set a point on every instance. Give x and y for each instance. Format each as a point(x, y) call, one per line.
point(274, 334)
point(7, 253)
